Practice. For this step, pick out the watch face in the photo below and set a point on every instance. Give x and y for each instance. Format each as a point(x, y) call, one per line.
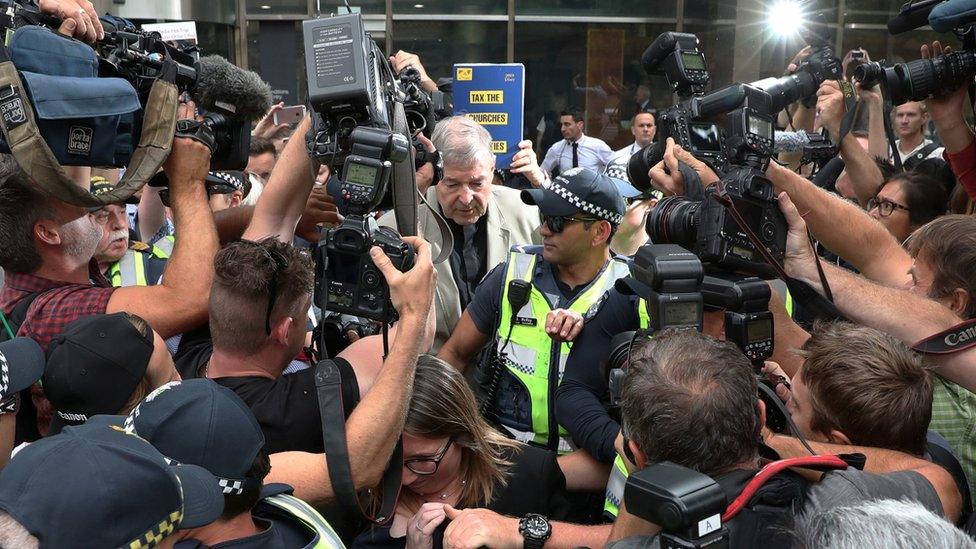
point(536, 526)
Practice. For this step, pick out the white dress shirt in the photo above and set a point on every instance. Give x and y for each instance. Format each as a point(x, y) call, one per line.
point(592, 153)
point(622, 156)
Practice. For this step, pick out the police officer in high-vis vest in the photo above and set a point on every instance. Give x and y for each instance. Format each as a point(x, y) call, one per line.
point(123, 260)
point(202, 423)
point(543, 296)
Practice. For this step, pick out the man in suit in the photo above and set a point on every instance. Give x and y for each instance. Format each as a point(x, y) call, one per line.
point(486, 220)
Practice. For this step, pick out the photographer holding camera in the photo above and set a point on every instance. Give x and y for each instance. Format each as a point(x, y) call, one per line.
point(50, 247)
point(692, 400)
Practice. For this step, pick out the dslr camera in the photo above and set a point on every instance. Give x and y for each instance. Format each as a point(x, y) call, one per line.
point(736, 224)
point(822, 64)
point(347, 279)
point(677, 57)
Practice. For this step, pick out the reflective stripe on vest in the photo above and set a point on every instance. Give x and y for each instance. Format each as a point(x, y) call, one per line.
point(129, 271)
point(164, 246)
point(615, 487)
point(643, 315)
point(325, 536)
point(531, 355)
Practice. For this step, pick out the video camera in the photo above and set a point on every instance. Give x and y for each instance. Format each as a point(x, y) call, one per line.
point(364, 115)
point(230, 98)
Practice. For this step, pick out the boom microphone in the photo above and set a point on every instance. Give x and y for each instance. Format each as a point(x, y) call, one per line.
point(912, 16)
point(953, 14)
point(220, 86)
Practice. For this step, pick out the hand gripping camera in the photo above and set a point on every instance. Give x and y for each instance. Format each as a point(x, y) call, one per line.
point(347, 279)
point(734, 225)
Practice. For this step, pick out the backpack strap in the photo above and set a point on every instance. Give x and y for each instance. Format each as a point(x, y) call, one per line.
point(17, 316)
point(918, 156)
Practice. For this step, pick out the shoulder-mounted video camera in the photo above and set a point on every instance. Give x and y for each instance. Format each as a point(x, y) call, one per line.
point(361, 131)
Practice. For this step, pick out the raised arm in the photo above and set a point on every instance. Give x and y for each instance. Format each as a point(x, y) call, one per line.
point(903, 314)
point(284, 197)
point(374, 426)
point(845, 229)
point(864, 173)
point(179, 303)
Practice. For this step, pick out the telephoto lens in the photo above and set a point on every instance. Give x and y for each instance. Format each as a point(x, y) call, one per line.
point(640, 164)
point(674, 221)
point(920, 79)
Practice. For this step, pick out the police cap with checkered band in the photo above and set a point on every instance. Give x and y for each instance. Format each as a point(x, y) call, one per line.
point(200, 422)
point(580, 191)
point(21, 364)
point(97, 486)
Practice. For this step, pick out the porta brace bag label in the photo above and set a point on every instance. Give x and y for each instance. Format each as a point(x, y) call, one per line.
point(80, 140)
point(12, 108)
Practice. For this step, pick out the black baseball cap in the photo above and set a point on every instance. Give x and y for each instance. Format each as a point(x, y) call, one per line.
point(579, 190)
point(93, 367)
point(98, 486)
point(21, 364)
point(200, 422)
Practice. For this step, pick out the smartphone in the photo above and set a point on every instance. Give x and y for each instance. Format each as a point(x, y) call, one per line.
point(857, 54)
point(290, 115)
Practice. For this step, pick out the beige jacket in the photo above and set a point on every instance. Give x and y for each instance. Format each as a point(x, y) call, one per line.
point(510, 222)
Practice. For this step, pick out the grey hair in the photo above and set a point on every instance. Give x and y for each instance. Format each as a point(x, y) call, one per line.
point(13, 534)
point(880, 524)
point(463, 142)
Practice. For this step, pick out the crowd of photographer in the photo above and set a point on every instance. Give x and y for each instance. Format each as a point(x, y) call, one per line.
point(752, 327)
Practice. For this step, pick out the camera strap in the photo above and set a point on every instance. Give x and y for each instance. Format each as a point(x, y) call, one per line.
point(801, 291)
point(32, 153)
point(328, 385)
point(959, 338)
point(819, 463)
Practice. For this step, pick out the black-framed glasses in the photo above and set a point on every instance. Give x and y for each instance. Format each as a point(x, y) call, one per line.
point(885, 207)
point(428, 466)
point(556, 224)
point(279, 263)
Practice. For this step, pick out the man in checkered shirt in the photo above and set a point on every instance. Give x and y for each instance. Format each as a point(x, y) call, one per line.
point(48, 258)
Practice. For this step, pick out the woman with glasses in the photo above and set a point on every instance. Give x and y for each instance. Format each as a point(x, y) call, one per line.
point(452, 456)
point(906, 201)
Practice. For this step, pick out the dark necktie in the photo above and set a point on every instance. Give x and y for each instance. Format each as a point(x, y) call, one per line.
point(576, 155)
point(472, 261)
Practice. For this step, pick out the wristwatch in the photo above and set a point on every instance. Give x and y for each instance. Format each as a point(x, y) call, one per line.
point(535, 530)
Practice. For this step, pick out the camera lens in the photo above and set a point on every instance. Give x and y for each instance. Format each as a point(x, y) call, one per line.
point(641, 162)
point(869, 74)
point(619, 350)
point(919, 79)
point(673, 221)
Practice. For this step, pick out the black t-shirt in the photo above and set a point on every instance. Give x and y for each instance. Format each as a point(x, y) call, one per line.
point(535, 485)
point(287, 408)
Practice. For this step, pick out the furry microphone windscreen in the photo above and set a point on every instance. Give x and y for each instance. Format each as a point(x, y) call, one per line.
point(222, 86)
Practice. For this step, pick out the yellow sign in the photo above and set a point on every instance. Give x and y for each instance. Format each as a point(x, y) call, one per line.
point(489, 118)
point(465, 73)
point(486, 97)
point(499, 147)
